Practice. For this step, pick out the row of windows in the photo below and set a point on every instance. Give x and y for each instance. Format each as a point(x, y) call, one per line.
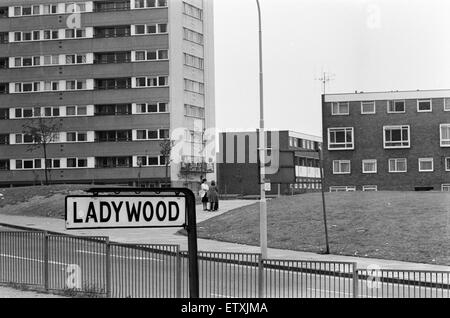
point(307, 185)
point(89, 32)
point(444, 188)
point(303, 143)
point(397, 165)
point(194, 86)
point(88, 162)
point(395, 106)
point(193, 61)
point(81, 110)
point(89, 136)
point(394, 137)
point(85, 58)
point(194, 111)
point(192, 11)
point(193, 36)
point(45, 9)
point(89, 84)
point(366, 188)
point(81, 7)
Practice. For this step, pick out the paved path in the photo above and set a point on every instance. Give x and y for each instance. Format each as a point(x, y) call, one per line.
point(170, 236)
point(6, 292)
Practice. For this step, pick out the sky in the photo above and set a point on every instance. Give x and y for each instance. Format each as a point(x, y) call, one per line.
point(380, 45)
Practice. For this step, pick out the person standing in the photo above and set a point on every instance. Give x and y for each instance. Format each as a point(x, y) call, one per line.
point(203, 194)
point(213, 197)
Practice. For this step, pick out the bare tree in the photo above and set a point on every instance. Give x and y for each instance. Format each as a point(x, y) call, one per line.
point(43, 131)
point(166, 150)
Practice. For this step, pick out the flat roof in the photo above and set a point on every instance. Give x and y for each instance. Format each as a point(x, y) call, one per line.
point(290, 133)
point(369, 96)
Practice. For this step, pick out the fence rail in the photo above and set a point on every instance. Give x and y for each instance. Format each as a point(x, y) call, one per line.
point(96, 267)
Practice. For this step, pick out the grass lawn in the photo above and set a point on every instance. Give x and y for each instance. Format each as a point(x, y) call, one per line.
point(45, 201)
point(406, 226)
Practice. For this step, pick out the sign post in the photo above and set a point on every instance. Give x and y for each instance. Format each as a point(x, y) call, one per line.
point(118, 208)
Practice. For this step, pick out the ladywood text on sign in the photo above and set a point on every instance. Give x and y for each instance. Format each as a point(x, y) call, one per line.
point(93, 212)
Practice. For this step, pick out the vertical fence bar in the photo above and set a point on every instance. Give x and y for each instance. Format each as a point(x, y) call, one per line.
point(261, 293)
point(108, 267)
point(46, 265)
point(178, 272)
point(355, 281)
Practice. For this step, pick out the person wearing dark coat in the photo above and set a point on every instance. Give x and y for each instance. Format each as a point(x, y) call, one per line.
point(213, 197)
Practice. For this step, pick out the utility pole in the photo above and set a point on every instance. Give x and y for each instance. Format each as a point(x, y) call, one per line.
point(262, 146)
point(327, 251)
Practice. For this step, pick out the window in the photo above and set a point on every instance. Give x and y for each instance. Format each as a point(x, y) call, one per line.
point(76, 137)
point(146, 161)
point(447, 104)
point(142, 29)
point(151, 108)
point(112, 31)
point(193, 61)
point(424, 105)
point(28, 164)
point(75, 59)
point(340, 109)
point(51, 34)
point(76, 163)
point(112, 109)
point(53, 163)
point(445, 135)
point(396, 137)
point(112, 57)
point(341, 167)
point(141, 4)
point(4, 113)
point(446, 188)
point(75, 33)
point(193, 36)
point(193, 86)
point(111, 5)
point(340, 138)
point(113, 83)
point(27, 87)
point(152, 55)
point(50, 9)
point(368, 108)
point(447, 164)
point(51, 60)
point(343, 189)
point(4, 139)
point(426, 164)
point(369, 166)
point(398, 165)
point(75, 85)
point(152, 81)
point(192, 11)
point(194, 111)
point(370, 188)
point(397, 106)
point(51, 86)
point(4, 164)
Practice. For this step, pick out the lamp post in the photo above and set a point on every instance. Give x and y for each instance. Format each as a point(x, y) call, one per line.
point(262, 146)
point(327, 245)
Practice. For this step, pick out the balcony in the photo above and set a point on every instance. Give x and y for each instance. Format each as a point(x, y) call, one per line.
point(197, 167)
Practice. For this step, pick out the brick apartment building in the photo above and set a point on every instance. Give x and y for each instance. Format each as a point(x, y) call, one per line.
point(119, 76)
point(387, 141)
point(292, 167)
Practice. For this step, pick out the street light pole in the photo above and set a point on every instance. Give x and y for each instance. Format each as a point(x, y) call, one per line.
point(262, 146)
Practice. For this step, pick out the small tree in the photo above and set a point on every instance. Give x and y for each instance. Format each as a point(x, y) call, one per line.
point(166, 150)
point(43, 131)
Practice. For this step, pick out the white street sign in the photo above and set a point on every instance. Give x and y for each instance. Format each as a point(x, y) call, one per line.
point(97, 212)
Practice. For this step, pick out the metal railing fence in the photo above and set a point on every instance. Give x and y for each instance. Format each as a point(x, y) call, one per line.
point(95, 267)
